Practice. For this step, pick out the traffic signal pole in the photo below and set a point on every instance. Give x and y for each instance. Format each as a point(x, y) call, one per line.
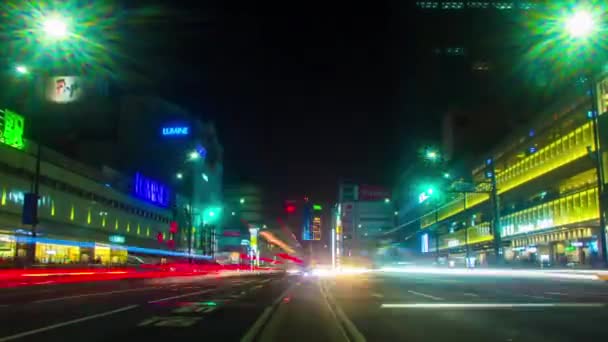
point(496, 227)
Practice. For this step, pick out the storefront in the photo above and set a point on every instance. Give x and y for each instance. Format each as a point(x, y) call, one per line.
point(7, 248)
point(560, 247)
point(47, 253)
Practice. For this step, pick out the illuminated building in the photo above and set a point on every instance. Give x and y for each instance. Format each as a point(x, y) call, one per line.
point(364, 215)
point(548, 196)
point(85, 214)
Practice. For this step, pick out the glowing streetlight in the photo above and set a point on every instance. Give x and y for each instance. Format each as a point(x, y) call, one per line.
point(194, 155)
point(387, 200)
point(55, 27)
point(242, 200)
point(22, 69)
point(179, 175)
point(432, 155)
point(580, 24)
point(233, 213)
point(447, 175)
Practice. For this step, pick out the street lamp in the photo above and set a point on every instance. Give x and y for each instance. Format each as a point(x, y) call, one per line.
point(578, 28)
point(387, 200)
point(242, 200)
point(55, 27)
point(179, 175)
point(194, 155)
point(580, 25)
point(22, 69)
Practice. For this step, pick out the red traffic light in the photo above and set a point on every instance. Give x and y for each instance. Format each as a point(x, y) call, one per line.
point(290, 209)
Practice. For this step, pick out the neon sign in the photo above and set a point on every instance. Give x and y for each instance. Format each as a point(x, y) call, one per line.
point(176, 131)
point(11, 129)
point(151, 190)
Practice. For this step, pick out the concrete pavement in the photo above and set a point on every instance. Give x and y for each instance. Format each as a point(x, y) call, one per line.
point(214, 309)
point(385, 307)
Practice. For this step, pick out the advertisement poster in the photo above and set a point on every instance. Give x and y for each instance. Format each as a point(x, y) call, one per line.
point(64, 89)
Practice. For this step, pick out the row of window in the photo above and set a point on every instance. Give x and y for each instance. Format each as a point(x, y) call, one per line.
point(560, 152)
point(68, 188)
point(578, 207)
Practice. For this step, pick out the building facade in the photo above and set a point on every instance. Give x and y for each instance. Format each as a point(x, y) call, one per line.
point(84, 214)
point(548, 197)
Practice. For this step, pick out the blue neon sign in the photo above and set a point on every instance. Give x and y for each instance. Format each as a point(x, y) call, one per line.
point(151, 190)
point(176, 131)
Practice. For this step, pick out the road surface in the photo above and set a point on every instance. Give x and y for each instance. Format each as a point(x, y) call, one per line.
point(364, 307)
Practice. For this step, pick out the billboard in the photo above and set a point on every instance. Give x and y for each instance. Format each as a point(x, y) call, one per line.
point(64, 89)
point(151, 190)
point(316, 228)
point(11, 129)
point(373, 193)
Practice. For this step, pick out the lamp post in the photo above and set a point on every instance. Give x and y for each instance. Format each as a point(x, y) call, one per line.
point(580, 26)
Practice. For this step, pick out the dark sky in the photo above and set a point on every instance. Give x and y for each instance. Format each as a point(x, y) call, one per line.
point(304, 93)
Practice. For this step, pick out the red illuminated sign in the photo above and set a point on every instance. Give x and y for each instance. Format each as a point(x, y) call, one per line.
point(173, 227)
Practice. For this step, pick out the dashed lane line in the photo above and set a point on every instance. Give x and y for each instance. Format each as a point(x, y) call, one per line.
point(424, 295)
point(92, 295)
point(178, 296)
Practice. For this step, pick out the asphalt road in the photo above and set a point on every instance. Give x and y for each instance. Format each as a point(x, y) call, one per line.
point(187, 308)
point(422, 307)
point(364, 307)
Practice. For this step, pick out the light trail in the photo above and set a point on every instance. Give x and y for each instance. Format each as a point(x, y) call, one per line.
point(509, 273)
point(489, 305)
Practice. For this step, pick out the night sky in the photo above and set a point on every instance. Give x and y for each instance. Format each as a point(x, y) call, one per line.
point(305, 93)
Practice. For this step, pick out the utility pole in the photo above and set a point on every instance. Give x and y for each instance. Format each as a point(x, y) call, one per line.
point(466, 233)
point(496, 228)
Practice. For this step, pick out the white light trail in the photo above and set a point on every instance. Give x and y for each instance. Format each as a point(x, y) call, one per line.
point(492, 273)
point(489, 305)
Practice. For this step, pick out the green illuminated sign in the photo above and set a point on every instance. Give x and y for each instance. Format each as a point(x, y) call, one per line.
point(116, 238)
point(317, 207)
point(11, 129)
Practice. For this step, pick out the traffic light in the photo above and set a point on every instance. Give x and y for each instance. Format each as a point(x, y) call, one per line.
point(489, 169)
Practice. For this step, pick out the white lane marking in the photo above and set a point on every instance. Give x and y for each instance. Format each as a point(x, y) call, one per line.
point(534, 297)
point(377, 295)
point(489, 305)
point(556, 293)
point(424, 295)
point(178, 296)
point(256, 328)
point(469, 294)
point(344, 323)
point(92, 295)
point(63, 324)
